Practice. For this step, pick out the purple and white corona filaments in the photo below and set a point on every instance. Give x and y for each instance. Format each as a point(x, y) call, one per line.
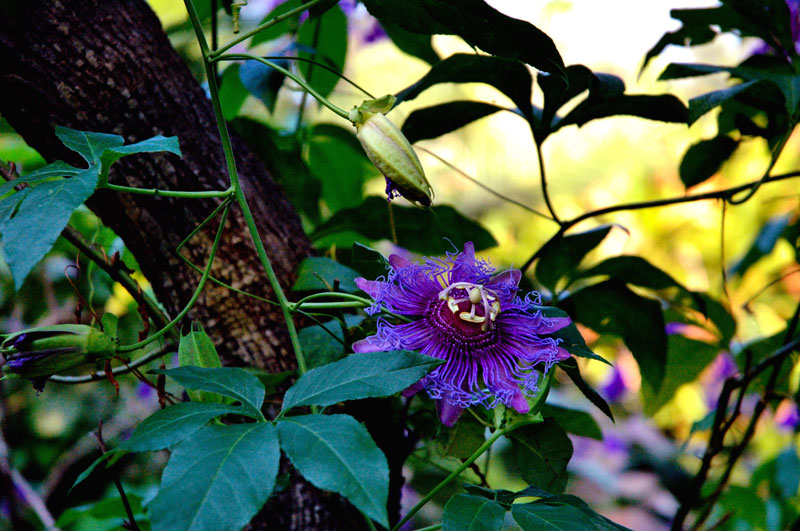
point(491, 339)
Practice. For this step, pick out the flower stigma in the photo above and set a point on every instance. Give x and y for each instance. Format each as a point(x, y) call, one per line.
point(478, 296)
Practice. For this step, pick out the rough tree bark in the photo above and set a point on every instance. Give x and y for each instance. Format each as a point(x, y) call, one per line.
point(107, 66)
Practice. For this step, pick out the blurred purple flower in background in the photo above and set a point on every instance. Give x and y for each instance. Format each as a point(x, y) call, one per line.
point(490, 338)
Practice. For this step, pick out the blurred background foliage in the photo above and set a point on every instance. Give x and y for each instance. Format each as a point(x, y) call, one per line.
point(636, 471)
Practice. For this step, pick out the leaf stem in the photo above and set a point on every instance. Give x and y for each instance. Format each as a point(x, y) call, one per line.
point(238, 192)
point(543, 180)
point(155, 192)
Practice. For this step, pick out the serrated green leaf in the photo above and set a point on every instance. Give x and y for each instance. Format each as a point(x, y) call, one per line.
point(574, 421)
point(169, 426)
point(363, 375)
point(542, 452)
point(30, 227)
point(228, 381)
point(318, 273)
point(336, 453)
point(704, 159)
point(218, 479)
point(422, 231)
point(564, 255)
point(465, 512)
point(435, 121)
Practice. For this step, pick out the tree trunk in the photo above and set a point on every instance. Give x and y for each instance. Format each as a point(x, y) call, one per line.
point(107, 66)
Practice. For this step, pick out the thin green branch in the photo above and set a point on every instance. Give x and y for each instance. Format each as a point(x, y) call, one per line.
point(543, 180)
point(244, 36)
point(155, 192)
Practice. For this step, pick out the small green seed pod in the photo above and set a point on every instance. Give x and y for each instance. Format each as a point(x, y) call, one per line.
point(391, 152)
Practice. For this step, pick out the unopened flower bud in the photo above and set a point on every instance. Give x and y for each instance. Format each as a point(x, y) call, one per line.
point(390, 151)
point(39, 353)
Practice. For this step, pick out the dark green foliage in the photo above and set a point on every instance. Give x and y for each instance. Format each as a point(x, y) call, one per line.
point(564, 255)
point(465, 512)
point(318, 273)
point(541, 452)
point(437, 120)
point(704, 159)
point(422, 231)
point(326, 38)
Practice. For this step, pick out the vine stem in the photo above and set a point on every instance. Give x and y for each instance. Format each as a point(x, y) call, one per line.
point(543, 179)
point(461, 468)
point(238, 193)
point(200, 285)
point(212, 55)
point(724, 194)
point(291, 75)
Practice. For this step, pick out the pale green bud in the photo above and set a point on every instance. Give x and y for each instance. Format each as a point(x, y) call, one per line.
point(390, 151)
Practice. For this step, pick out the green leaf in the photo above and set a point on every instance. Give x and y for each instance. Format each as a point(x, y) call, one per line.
point(411, 43)
point(686, 359)
point(563, 509)
point(88, 144)
point(317, 273)
point(169, 426)
point(232, 93)
point(367, 261)
point(337, 159)
point(700, 105)
point(263, 81)
point(364, 375)
point(321, 347)
point(704, 159)
point(478, 24)
point(465, 512)
point(463, 439)
point(564, 255)
point(509, 77)
point(542, 452)
point(787, 472)
point(197, 349)
point(155, 144)
point(543, 517)
point(33, 218)
point(574, 421)
point(423, 231)
point(632, 270)
point(281, 28)
point(571, 339)
point(435, 121)
point(610, 307)
point(763, 244)
point(574, 373)
point(663, 108)
point(218, 479)
point(228, 381)
point(336, 453)
point(326, 36)
point(106, 514)
point(109, 458)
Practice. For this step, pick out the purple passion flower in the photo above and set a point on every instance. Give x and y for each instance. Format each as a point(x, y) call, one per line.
point(491, 339)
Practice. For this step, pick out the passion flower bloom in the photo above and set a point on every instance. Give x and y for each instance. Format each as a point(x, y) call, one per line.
point(493, 342)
